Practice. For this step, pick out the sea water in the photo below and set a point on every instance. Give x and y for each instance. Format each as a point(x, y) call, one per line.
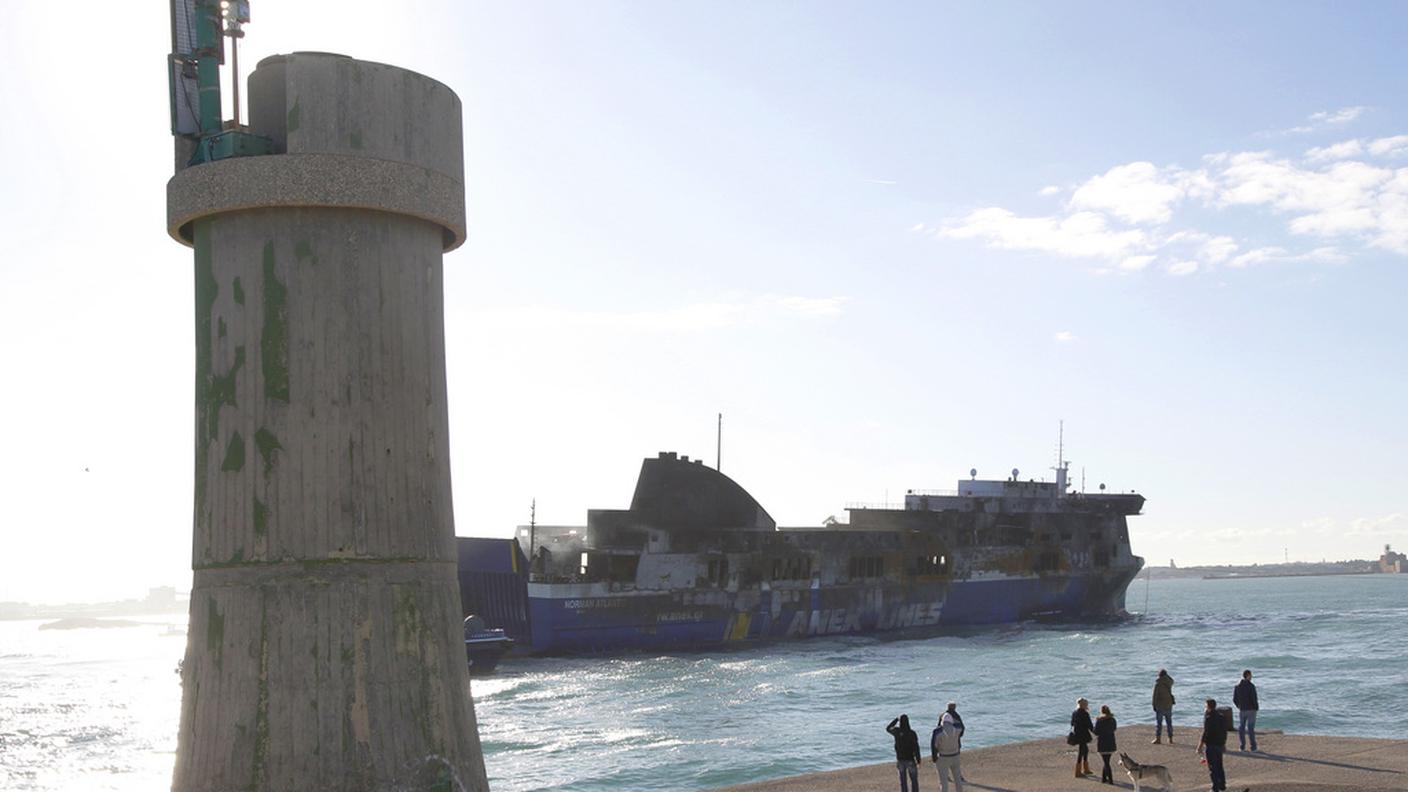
point(98, 708)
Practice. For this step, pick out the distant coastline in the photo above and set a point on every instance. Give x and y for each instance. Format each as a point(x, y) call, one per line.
point(1238, 571)
point(163, 599)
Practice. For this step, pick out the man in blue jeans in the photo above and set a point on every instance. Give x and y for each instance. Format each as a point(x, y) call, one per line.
point(1213, 743)
point(1163, 706)
point(907, 757)
point(1244, 699)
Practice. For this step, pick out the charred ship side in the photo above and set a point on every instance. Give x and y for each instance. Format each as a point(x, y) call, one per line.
point(696, 561)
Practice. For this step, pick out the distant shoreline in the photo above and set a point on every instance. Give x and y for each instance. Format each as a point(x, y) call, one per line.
point(1241, 576)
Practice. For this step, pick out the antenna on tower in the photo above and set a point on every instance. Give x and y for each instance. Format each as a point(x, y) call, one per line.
point(198, 31)
point(719, 445)
point(1061, 459)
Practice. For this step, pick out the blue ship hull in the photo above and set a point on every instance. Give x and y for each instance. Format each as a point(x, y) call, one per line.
point(659, 620)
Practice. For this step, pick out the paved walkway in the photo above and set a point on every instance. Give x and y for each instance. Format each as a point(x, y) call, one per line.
point(1286, 763)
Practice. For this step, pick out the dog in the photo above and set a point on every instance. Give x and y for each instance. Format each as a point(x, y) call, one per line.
point(1145, 773)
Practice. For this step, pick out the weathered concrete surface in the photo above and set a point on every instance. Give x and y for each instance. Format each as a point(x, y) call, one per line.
point(324, 648)
point(1286, 763)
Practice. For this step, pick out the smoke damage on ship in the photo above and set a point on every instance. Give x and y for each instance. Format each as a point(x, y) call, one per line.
point(697, 562)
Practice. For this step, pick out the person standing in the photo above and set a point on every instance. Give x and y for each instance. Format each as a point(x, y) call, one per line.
point(1213, 743)
point(1163, 706)
point(907, 756)
point(1244, 699)
point(1105, 741)
point(944, 746)
point(1082, 729)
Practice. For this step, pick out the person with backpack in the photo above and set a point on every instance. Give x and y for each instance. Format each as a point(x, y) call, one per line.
point(944, 746)
point(1163, 706)
point(1213, 743)
point(907, 756)
point(1244, 699)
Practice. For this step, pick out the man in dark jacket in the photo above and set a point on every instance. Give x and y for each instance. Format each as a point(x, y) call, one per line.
point(1244, 699)
point(907, 757)
point(1163, 706)
point(1213, 743)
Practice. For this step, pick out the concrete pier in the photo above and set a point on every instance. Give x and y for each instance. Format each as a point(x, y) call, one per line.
point(1286, 763)
point(325, 650)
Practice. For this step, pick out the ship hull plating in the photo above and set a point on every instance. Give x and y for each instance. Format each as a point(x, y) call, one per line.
point(586, 618)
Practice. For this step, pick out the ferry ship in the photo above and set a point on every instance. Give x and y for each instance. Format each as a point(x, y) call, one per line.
point(697, 562)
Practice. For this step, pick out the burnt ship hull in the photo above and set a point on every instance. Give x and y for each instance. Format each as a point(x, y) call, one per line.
point(587, 620)
point(695, 562)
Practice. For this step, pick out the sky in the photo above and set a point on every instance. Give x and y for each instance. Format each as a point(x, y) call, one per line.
point(888, 242)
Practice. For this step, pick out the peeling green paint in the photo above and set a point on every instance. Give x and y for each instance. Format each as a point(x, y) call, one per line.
point(261, 519)
point(206, 291)
point(273, 341)
point(302, 250)
point(234, 455)
point(294, 115)
point(220, 328)
point(215, 632)
point(261, 710)
point(238, 291)
point(313, 565)
point(356, 139)
point(267, 443)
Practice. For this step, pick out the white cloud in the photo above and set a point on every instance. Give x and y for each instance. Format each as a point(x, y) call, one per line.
point(1389, 146)
point(1341, 116)
point(1329, 117)
point(882, 182)
point(1065, 336)
point(1211, 249)
point(1279, 255)
point(685, 318)
point(1049, 189)
point(1346, 198)
point(1335, 151)
point(1079, 235)
point(1386, 525)
point(1138, 192)
point(1128, 215)
point(1393, 146)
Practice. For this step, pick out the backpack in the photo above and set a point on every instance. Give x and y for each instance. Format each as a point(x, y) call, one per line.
point(1226, 713)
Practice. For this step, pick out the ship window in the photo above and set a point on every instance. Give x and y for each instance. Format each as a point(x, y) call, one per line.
point(867, 567)
point(929, 565)
point(718, 570)
point(583, 569)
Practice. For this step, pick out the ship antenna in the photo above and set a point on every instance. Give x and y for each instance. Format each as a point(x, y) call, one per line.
point(719, 445)
point(532, 530)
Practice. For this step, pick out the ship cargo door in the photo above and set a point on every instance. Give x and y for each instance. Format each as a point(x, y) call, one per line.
point(493, 577)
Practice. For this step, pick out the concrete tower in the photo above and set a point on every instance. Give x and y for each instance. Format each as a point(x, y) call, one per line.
point(325, 650)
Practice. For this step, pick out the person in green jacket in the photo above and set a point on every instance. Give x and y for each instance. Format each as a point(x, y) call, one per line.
point(1163, 706)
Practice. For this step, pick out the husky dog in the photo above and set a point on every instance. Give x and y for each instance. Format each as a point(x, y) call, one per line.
point(1145, 773)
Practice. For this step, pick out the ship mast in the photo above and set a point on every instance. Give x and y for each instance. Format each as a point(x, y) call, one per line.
point(1061, 458)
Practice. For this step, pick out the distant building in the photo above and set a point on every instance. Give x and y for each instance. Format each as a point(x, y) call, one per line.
point(1393, 562)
